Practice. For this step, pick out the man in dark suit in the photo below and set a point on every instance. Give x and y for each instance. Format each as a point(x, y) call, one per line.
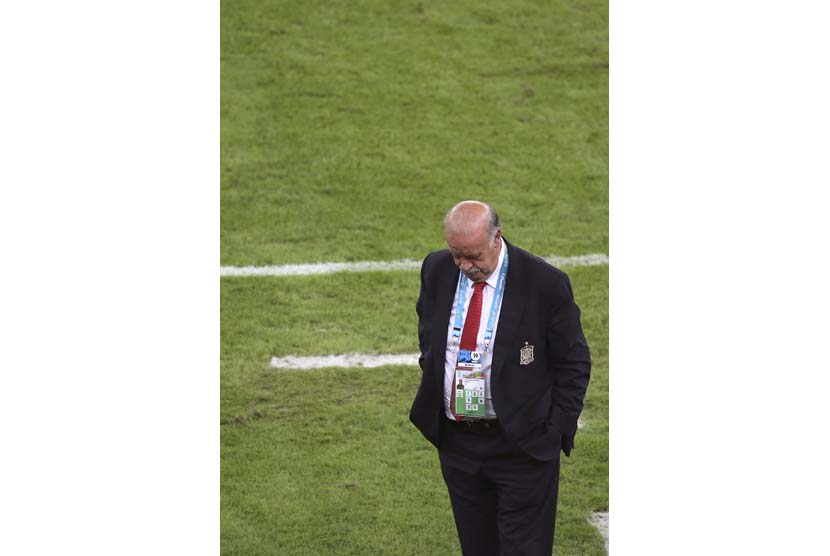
point(509, 317)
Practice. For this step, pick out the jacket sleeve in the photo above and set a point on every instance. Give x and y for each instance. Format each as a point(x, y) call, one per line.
point(570, 362)
point(420, 307)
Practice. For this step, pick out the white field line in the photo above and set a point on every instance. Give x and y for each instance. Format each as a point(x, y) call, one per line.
point(594, 259)
point(367, 360)
point(600, 521)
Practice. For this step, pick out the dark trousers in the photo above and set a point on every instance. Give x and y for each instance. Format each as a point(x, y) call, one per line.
point(503, 501)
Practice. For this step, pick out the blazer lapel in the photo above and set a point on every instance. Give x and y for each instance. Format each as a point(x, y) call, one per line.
point(512, 307)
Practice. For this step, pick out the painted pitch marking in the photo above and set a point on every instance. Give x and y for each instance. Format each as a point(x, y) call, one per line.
point(367, 360)
point(600, 521)
point(594, 259)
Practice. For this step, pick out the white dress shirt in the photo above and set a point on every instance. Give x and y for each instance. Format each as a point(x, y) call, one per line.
point(451, 356)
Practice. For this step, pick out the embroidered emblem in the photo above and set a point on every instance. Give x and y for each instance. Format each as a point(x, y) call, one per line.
point(526, 355)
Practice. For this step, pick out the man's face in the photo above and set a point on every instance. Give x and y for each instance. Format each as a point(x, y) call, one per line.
point(475, 254)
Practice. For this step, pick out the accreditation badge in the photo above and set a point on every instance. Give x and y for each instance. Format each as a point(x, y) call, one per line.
point(468, 359)
point(469, 393)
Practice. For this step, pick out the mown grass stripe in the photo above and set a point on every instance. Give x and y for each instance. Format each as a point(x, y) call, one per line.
point(594, 259)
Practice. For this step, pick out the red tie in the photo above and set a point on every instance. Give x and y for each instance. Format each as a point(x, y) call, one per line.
point(469, 336)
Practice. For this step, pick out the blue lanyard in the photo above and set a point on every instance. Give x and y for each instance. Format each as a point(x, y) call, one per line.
point(494, 306)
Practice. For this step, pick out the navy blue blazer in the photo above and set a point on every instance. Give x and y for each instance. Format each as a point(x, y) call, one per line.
point(538, 403)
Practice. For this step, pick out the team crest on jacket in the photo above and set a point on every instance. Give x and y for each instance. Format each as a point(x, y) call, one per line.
point(526, 354)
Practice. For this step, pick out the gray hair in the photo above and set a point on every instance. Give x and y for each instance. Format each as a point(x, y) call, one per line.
point(493, 224)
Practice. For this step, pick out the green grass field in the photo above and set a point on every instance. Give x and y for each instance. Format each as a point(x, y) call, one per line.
point(348, 130)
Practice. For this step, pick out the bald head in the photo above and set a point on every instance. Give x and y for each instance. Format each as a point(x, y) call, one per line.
point(467, 217)
point(473, 235)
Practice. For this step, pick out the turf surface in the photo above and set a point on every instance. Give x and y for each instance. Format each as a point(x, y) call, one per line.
point(348, 129)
